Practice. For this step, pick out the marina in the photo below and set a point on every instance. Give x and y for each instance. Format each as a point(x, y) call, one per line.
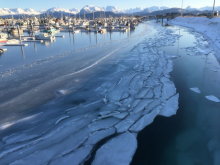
point(15, 32)
point(109, 85)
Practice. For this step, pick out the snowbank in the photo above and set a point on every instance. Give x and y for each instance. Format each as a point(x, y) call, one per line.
point(210, 28)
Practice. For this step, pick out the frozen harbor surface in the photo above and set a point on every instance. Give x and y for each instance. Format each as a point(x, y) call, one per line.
point(110, 106)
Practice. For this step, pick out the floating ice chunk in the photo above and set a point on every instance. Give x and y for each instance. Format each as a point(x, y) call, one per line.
point(135, 103)
point(118, 150)
point(142, 104)
point(169, 89)
point(145, 120)
point(99, 135)
point(108, 115)
point(151, 106)
point(103, 124)
point(108, 108)
point(157, 72)
point(213, 98)
point(119, 90)
point(125, 124)
point(164, 79)
point(142, 93)
point(121, 115)
point(125, 95)
point(149, 94)
point(75, 158)
point(170, 106)
point(136, 84)
point(151, 82)
point(157, 91)
point(195, 90)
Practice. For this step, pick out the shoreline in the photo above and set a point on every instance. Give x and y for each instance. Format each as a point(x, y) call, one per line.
point(208, 38)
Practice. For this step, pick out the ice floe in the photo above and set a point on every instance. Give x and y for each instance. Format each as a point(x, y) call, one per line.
point(118, 150)
point(213, 98)
point(195, 90)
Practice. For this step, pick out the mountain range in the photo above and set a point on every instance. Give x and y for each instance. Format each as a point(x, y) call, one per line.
point(91, 8)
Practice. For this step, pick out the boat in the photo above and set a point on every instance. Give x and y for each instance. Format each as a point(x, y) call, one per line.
point(15, 31)
point(49, 29)
point(76, 31)
point(3, 37)
point(44, 36)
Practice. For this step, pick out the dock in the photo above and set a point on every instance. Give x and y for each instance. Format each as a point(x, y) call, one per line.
point(14, 44)
point(60, 36)
point(22, 37)
point(32, 41)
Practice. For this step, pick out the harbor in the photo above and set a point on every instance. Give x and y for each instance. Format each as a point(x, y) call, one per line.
point(109, 85)
point(16, 31)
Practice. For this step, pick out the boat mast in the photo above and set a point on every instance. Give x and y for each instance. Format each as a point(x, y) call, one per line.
point(182, 9)
point(213, 12)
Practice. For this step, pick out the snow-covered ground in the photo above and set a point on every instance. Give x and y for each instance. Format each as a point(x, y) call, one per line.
point(210, 28)
point(125, 109)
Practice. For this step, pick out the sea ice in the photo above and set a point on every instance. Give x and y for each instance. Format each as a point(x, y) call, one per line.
point(125, 124)
point(74, 158)
point(103, 124)
point(213, 98)
point(118, 150)
point(168, 89)
point(142, 104)
point(121, 115)
point(170, 107)
point(145, 120)
point(195, 90)
point(99, 135)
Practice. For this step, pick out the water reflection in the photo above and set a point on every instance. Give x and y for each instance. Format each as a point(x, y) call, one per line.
point(70, 37)
point(35, 47)
point(62, 45)
point(22, 51)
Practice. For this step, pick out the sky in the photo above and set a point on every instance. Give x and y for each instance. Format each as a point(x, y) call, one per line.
point(122, 4)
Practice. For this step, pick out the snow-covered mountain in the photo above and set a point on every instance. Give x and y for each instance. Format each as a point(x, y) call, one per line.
point(7, 11)
point(217, 8)
point(189, 8)
point(91, 8)
point(157, 8)
point(154, 8)
point(206, 8)
point(56, 9)
point(113, 9)
point(134, 10)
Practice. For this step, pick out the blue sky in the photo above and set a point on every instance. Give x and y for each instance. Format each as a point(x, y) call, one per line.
point(122, 4)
